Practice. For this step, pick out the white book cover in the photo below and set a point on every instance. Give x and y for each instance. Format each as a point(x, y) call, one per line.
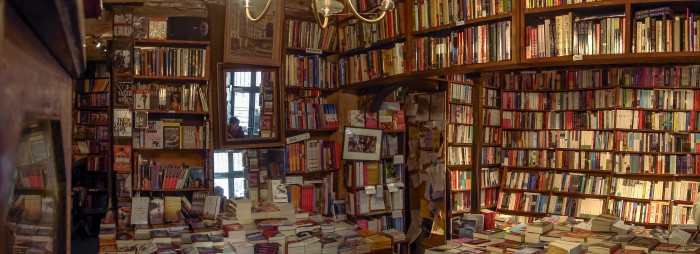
point(212, 205)
point(139, 210)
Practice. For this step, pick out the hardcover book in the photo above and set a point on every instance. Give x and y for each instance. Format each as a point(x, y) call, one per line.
point(122, 158)
point(539, 227)
point(489, 234)
point(122, 123)
point(357, 118)
point(664, 248)
point(139, 210)
point(196, 178)
point(645, 244)
point(172, 209)
point(603, 247)
point(688, 249)
point(578, 236)
point(171, 135)
point(156, 210)
point(154, 135)
point(622, 239)
point(124, 186)
point(371, 120)
point(198, 200)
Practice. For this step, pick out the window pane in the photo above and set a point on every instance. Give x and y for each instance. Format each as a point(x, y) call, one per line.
point(221, 162)
point(239, 187)
point(258, 78)
point(242, 79)
point(237, 161)
point(223, 183)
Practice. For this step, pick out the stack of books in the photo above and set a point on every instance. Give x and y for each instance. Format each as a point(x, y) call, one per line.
point(535, 230)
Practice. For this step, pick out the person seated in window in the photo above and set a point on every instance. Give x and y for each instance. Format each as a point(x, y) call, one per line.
point(234, 130)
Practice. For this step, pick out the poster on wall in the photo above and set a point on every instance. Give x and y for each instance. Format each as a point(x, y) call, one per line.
point(248, 42)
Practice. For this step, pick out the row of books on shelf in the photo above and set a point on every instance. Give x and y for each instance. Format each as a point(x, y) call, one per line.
point(373, 64)
point(373, 173)
point(92, 85)
point(92, 100)
point(305, 197)
point(97, 163)
point(95, 201)
point(169, 209)
point(96, 183)
point(32, 208)
point(576, 207)
point(313, 155)
point(172, 134)
point(657, 142)
point(658, 99)
point(387, 119)
point(464, 134)
point(91, 132)
point(641, 189)
point(391, 142)
point(601, 119)
point(307, 114)
point(648, 120)
point(461, 114)
point(32, 175)
point(657, 164)
point(576, 160)
point(90, 117)
point(462, 93)
point(90, 146)
point(360, 34)
point(641, 212)
point(491, 117)
point(660, 30)
point(361, 203)
point(586, 35)
point(189, 97)
point(523, 201)
point(435, 13)
point(602, 140)
point(153, 175)
point(168, 61)
point(310, 35)
point(558, 100)
point(641, 76)
point(472, 45)
point(527, 139)
point(311, 72)
point(527, 180)
point(530, 4)
point(461, 201)
point(580, 183)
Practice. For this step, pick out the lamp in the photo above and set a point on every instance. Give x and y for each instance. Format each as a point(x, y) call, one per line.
point(326, 8)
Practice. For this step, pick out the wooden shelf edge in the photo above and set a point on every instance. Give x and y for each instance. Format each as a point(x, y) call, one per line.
point(567, 7)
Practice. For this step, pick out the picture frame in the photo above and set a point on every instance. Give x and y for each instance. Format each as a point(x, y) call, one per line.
point(260, 48)
point(362, 144)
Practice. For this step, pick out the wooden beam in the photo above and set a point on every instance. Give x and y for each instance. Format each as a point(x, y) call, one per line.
point(60, 28)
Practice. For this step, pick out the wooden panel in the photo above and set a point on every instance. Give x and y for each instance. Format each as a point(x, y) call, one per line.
point(34, 86)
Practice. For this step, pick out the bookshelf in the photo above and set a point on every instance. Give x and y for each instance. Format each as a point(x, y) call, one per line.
point(310, 89)
point(376, 190)
point(91, 144)
point(162, 133)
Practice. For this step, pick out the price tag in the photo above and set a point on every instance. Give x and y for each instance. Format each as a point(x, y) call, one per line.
point(368, 45)
point(396, 214)
point(314, 51)
point(459, 23)
point(578, 57)
point(380, 191)
point(171, 111)
point(398, 159)
point(399, 185)
point(392, 187)
point(298, 138)
point(370, 190)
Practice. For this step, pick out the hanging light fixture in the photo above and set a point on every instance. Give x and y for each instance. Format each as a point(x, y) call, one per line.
point(326, 8)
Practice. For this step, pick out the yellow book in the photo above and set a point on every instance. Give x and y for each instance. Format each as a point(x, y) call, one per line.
point(172, 209)
point(373, 177)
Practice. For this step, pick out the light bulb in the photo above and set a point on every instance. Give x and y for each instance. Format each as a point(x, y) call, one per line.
point(329, 7)
point(387, 5)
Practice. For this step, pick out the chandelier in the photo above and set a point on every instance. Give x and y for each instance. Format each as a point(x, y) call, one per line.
point(323, 9)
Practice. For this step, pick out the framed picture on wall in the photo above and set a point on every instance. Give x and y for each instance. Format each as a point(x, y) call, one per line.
point(362, 144)
point(255, 43)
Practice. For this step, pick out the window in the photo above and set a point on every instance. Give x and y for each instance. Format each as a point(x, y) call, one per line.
point(229, 173)
point(244, 87)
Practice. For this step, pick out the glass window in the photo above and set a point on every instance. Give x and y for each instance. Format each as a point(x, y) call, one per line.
point(229, 173)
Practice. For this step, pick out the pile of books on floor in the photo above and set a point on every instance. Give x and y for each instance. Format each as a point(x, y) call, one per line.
point(270, 228)
point(603, 234)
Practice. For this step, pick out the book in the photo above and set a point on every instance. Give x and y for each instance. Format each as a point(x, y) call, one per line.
point(172, 209)
point(122, 158)
point(212, 205)
point(645, 244)
point(124, 186)
point(680, 237)
point(278, 190)
point(171, 135)
point(539, 227)
point(153, 137)
point(489, 234)
point(196, 178)
point(622, 239)
point(664, 248)
point(139, 210)
point(599, 237)
point(551, 236)
point(122, 123)
point(562, 247)
point(356, 118)
point(371, 120)
point(142, 99)
point(603, 247)
point(155, 211)
point(578, 236)
point(688, 249)
point(499, 247)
